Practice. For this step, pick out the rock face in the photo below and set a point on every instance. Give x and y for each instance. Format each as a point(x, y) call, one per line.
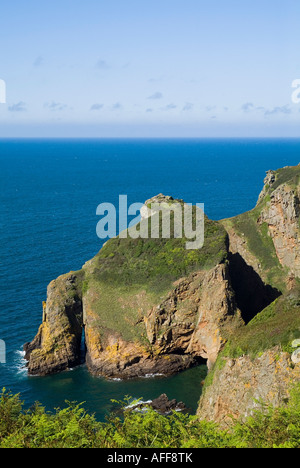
point(240, 385)
point(266, 242)
point(282, 217)
point(195, 316)
point(190, 323)
point(272, 226)
point(56, 347)
point(268, 182)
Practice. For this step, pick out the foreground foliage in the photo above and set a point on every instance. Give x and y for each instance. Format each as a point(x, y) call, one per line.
point(72, 427)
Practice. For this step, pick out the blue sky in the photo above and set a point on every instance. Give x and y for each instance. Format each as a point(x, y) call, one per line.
point(139, 68)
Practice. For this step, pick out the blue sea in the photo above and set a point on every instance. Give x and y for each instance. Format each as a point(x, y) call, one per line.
point(50, 190)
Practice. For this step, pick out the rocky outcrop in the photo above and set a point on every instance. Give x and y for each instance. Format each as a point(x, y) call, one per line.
point(273, 226)
point(196, 316)
point(192, 322)
point(240, 386)
point(161, 405)
point(264, 241)
point(268, 183)
point(132, 330)
point(116, 358)
point(56, 346)
point(281, 214)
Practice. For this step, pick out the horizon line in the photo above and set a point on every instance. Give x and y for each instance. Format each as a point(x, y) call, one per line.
point(149, 138)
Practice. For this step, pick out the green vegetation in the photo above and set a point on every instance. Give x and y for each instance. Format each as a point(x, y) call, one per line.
point(277, 325)
point(290, 175)
point(130, 276)
point(256, 234)
point(157, 262)
point(72, 427)
point(260, 245)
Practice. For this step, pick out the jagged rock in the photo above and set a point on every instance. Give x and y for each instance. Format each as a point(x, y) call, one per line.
point(162, 405)
point(272, 226)
point(56, 347)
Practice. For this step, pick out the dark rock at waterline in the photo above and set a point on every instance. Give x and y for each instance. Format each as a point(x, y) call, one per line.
point(163, 405)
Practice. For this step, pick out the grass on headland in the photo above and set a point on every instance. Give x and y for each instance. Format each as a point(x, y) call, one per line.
point(157, 262)
point(130, 276)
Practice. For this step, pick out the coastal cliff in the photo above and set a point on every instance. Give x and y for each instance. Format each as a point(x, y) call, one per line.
point(150, 306)
point(144, 306)
point(57, 344)
point(260, 364)
point(243, 385)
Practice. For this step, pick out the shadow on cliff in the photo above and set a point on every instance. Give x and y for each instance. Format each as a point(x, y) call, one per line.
point(252, 294)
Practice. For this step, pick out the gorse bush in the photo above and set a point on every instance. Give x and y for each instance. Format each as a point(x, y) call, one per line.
point(73, 427)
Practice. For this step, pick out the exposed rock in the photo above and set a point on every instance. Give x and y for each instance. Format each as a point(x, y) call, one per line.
point(238, 246)
point(282, 217)
point(218, 315)
point(191, 322)
point(162, 405)
point(57, 344)
point(239, 386)
point(126, 360)
point(268, 182)
point(275, 218)
point(266, 240)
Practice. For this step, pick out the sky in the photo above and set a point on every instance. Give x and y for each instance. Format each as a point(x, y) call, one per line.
point(141, 68)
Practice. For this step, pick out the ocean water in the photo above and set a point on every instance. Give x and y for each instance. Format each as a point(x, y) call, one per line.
point(49, 192)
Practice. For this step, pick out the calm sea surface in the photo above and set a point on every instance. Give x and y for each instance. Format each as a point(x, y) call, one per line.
point(49, 192)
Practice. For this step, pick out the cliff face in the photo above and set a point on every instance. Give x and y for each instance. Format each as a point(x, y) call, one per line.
point(196, 316)
point(267, 237)
point(56, 346)
point(259, 362)
point(281, 214)
point(240, 386)
point(150, 306)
